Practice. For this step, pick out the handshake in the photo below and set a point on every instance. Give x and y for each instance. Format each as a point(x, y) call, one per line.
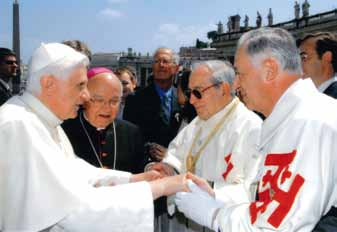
point(194, 197)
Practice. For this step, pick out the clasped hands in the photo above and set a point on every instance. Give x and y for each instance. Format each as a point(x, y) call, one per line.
point(194, 197)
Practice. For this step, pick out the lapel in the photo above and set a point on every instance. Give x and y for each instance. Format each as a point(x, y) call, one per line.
point(176, 111)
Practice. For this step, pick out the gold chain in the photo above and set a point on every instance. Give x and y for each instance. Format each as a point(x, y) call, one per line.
point(192, 160)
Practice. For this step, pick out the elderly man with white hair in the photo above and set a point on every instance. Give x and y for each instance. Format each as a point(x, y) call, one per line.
point(44, 186)
point(297, 178)
point(212, 145)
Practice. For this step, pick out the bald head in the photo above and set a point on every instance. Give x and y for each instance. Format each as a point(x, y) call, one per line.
point(106, 91)
point(105, 81)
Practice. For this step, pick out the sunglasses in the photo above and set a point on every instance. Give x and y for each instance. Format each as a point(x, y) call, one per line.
point(197, 93)
point(10, 62)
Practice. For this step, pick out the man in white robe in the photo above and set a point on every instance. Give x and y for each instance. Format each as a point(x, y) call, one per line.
point(296, 180)
point(220, 131)
point(44, 186)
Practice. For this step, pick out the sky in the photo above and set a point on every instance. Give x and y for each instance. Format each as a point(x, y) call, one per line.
point(144, 25)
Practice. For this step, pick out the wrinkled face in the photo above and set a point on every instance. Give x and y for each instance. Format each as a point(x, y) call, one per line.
point(105, 91)
point(248, 80)
point(311, 63)
point(212, 96)
point(127, 83)
point(69, 94)
point(9, 66)
point(163, 66)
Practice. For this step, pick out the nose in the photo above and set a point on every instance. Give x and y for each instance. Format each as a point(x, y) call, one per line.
point(85, 95)
point(193, 99)
point(236, 83)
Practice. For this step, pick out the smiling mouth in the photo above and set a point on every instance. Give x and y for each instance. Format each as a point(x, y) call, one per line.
point(105, 116)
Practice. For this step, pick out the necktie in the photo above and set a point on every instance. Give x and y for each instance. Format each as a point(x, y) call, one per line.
point(166, 108)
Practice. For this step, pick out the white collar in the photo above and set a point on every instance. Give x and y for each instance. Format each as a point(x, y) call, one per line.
point(40, 109)
point(299, 90)
point(326, 84)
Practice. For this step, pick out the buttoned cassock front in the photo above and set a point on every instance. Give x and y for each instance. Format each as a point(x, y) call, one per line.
point(298, 174)
point(45, 186)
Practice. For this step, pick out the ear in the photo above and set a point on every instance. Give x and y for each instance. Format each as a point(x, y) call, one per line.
point(48, 84)
point(176, 68)
point(225, 88)
point(271, 69)
point(327, 56)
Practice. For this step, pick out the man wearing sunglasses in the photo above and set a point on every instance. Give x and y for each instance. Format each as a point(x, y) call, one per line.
point(212, 145)
point(296, 180)
point(8, 69)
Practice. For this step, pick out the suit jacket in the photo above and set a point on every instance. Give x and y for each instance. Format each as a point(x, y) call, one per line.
point(5, 93)
point(332, 90)
point(130, 154)
point(144, 109)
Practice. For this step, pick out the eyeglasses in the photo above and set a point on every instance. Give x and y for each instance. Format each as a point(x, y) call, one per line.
point(99, 102)
point(198, 93)
point(10, 62)
point(163, 61)
point(125, 83)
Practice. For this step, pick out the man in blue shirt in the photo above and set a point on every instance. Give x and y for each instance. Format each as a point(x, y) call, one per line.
point(155, 110)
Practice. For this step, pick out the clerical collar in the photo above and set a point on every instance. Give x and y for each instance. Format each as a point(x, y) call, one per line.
point(40, 109)
point(87, 120)
point(327, 83)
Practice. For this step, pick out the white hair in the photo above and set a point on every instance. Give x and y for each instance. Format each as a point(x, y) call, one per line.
point(60, 67)
point(272, 42)
point(222, 71)
point(175, 56)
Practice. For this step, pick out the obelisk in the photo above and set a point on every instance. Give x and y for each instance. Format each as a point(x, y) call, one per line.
point(16, 44)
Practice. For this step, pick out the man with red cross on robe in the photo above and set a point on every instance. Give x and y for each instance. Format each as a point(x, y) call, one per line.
point(296, 174)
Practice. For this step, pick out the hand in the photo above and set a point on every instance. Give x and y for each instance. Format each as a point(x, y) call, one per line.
point(157, 152)
point(169, 185)
point(198, 205)
point(146, 176)
point(162, 168)
point(201, 183)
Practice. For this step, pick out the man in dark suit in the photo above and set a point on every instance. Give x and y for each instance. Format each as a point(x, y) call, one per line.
point(155, 108)
point(97, 136)
point(319, 60)
point(8, 70)
point(156, 111)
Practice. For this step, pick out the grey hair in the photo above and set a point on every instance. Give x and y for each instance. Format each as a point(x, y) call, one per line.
point(175, 56)
point(222, 71)
point(60, 69)
point(272, 42)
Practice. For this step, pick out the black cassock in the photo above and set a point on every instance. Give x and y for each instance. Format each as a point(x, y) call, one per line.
point(129, 144)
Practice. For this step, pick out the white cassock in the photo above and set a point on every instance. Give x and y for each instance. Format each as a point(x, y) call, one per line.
point(297, 178)
point(44, 186)
point(223, 159)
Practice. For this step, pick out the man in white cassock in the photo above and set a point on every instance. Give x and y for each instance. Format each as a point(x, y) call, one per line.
point(44, 186)
point(296, 178)
point(211, 146)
